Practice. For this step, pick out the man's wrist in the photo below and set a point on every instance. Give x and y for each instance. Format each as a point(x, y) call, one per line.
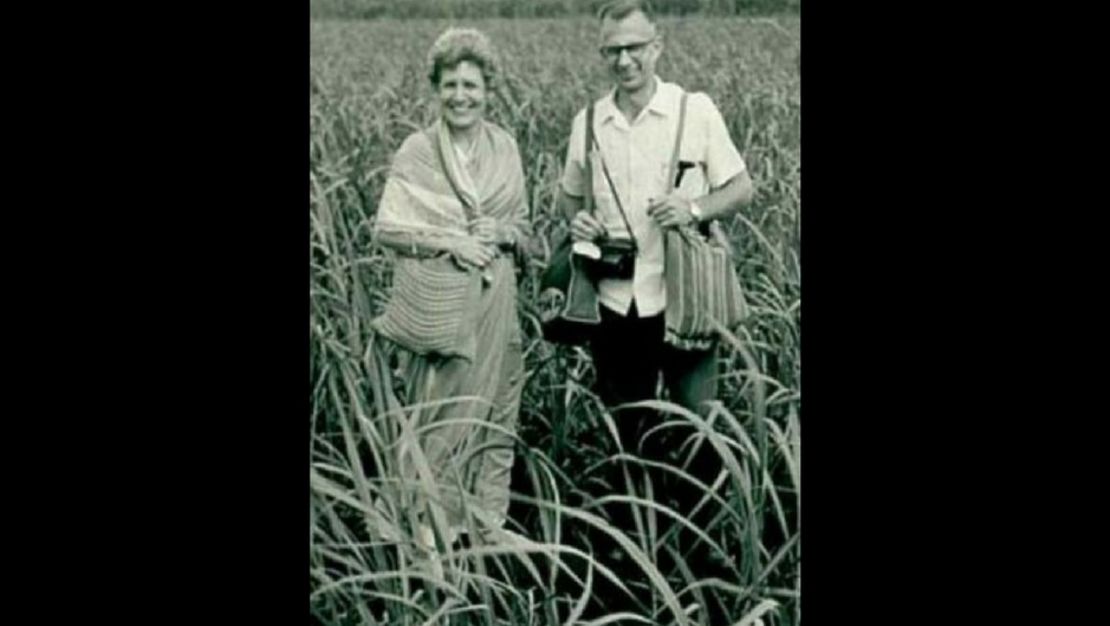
point(696, 212)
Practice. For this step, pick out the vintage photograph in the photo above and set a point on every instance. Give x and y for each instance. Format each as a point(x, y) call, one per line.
point(555, 312)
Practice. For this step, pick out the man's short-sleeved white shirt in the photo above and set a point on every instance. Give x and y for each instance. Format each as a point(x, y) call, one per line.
point(637, 156)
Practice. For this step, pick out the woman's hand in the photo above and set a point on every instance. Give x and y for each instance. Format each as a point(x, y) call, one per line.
point(485, 230)
point(473, 252)
point(489, 231)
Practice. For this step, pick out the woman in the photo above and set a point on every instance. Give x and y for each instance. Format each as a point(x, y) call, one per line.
point(456, 189)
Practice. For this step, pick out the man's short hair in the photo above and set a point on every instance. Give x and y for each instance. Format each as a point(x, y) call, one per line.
point(620, 9)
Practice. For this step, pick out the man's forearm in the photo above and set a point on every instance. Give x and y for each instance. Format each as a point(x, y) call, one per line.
point(570, 205)
point(728, 199)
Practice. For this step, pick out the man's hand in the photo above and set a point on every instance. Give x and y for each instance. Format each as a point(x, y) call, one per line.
point(585, 227)
point(670, 211)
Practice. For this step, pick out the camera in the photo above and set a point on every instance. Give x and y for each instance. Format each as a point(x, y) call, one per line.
point(617, 260)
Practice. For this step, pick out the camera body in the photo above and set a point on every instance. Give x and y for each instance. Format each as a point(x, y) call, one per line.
point(617, 260)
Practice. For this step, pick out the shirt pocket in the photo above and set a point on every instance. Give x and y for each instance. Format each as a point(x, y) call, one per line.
point(692, 169)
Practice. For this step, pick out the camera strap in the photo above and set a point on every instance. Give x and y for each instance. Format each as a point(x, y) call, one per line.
point(670, 169)
point(616, 196)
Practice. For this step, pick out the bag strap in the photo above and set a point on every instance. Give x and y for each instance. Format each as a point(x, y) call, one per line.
point(677, 141)
point(469, 211)
point(676, 176)
point(588, 199)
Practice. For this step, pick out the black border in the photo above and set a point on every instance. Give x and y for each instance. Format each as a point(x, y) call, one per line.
point(204, 371)
point(196, 482)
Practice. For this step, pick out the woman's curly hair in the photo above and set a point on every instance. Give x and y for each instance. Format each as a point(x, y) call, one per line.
point(456, 45)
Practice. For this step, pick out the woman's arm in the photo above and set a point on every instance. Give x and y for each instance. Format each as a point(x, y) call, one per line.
point(516, 233)
point(467, 250)
point(413, 244)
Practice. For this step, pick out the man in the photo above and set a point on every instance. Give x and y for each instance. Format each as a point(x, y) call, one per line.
point(635, 127)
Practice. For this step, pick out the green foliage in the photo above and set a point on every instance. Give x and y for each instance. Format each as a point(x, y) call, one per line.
point(368, 565)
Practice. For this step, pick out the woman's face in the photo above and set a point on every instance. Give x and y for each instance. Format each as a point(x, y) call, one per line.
point(462, 95)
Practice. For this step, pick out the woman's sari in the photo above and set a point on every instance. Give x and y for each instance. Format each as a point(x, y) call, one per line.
point(468, 443)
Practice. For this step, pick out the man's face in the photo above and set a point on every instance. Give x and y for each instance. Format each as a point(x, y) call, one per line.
point(630, 48)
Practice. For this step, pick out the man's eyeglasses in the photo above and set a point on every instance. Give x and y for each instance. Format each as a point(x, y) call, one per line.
point(612, 53)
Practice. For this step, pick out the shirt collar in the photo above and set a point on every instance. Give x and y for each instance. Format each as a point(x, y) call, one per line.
point(663, 101)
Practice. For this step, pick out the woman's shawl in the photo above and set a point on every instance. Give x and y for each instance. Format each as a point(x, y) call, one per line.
point(418, 196)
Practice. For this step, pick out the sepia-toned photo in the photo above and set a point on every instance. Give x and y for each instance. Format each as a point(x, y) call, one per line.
point(555, 312)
